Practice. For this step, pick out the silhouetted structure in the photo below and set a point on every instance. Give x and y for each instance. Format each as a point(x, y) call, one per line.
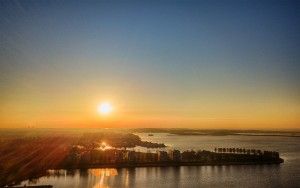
point(84, 157)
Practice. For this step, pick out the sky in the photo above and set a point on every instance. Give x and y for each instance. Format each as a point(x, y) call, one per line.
point(188, 64)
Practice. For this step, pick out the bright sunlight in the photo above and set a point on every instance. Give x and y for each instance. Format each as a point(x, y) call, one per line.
point(104, 108)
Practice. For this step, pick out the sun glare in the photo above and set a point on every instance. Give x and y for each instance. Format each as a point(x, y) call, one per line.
point(105, 108)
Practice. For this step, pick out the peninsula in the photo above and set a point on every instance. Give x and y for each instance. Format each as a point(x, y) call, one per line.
point(82, 158)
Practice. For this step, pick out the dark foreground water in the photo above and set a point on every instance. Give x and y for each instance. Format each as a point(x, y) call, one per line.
point(284, 175)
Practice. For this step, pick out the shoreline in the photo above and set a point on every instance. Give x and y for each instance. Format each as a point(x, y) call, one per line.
point(173, 164)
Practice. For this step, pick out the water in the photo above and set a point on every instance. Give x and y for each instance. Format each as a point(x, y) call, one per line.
point(284, 175)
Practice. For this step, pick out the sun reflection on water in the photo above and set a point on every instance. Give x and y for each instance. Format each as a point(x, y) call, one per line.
point(103, 172)
point(104, 146)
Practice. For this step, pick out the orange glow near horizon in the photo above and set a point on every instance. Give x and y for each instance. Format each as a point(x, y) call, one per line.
point(134, 110)
point(139, 112)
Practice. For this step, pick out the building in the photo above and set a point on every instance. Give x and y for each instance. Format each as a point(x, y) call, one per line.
point(174, 155)
point(162, 156)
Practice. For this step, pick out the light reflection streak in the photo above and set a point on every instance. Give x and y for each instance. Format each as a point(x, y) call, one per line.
point(103, 174)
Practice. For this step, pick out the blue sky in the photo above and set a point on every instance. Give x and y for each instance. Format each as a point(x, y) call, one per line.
point(176, 54)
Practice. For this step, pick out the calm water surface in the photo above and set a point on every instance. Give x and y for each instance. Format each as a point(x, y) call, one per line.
point(284, 175)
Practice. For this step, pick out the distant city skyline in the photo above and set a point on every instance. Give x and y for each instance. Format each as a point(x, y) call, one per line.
point(189, 64)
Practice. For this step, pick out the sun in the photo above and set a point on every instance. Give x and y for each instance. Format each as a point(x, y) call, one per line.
point(104, 108)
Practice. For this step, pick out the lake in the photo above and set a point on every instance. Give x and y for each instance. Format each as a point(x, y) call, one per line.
point(283, 175)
